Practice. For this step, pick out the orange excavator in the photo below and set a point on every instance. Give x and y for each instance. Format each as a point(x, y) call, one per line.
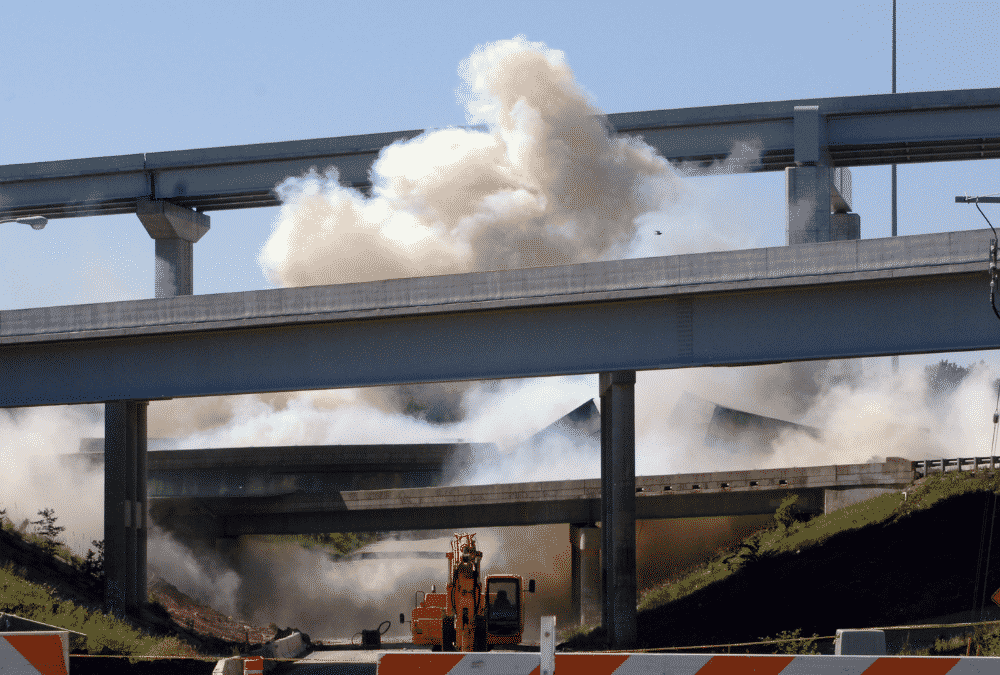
point(468, 617)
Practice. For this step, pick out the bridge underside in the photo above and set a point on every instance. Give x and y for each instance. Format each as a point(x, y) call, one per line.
point(212, 518)
point(821, 489)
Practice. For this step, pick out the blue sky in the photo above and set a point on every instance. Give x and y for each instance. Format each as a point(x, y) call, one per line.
point(94, 79)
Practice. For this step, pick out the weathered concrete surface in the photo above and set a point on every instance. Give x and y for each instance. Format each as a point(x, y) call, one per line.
point(618, 507)
point(275, 470)
point(858, 131)
point(762, 268)
point(578, 501)
point(846, 299)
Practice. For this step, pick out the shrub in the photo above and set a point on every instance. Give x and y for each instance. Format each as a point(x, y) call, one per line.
point(792, 642)
point(93, 562)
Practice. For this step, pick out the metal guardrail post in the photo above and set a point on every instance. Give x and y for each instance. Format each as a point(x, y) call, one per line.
point(548, 646)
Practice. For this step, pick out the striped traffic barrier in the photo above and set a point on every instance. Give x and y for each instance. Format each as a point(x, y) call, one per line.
point(253, 665)
point(683, 664)
point(45, 653)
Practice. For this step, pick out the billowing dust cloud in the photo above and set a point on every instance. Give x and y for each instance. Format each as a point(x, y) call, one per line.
point(544, 184)
point(34, 475)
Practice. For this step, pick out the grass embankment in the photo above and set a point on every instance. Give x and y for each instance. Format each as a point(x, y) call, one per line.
point(105, 634)
point(42, 580)
point(886, 561)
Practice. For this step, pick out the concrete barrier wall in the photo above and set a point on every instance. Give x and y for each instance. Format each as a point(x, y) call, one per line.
point(290, 647)
point(286, 648)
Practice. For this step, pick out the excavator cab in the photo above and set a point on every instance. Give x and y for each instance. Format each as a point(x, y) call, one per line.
point(503, 606)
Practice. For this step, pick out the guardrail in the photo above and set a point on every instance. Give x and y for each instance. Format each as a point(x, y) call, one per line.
point(925, 467)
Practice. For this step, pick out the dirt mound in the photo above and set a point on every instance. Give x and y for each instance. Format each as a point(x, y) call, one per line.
point(194, 618)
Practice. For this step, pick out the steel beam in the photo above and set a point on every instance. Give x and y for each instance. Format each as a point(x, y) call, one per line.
point(869, 297)
point(861, 131)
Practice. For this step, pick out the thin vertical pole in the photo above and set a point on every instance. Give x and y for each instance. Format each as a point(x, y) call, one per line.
point(895, 359)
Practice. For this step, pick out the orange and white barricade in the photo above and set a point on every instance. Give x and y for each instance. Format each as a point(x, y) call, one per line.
point(34, 653)
point(682, 664)
point(253, 665)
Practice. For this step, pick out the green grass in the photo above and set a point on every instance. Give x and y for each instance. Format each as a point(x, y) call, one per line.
point(815, 532)
point(770, 547)
point(105, 634)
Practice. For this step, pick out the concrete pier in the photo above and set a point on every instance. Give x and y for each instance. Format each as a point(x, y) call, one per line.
point(175, 230)
point(585, 550)
point(125, 509)
point(618, 507)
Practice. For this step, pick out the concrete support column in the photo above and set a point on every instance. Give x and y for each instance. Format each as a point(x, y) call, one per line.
point(174, 268)
point(819, 203)
point(808, 182)
point(585, 549)
point(808, 197)
point(125, 505)
point(618, 574)
point(175, 230)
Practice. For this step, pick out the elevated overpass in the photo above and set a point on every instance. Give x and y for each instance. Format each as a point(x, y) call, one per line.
point(845, 299)
point(271, 471)
point(859, 131)
point(821, 489)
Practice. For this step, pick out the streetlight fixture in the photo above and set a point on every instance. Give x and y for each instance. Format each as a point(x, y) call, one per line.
point(36, 222)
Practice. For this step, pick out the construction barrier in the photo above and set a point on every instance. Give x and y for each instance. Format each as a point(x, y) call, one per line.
point(683, 664)
point(45, 653)
point(287, 648)
point(11, 623)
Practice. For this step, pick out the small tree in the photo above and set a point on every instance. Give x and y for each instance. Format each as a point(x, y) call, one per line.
point(786, 513)
point(46, 528)
point(93, 562)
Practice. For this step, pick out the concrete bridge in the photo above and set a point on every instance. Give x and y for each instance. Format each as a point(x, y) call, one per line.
point(821, 489)
point(845, 297)
point(258, 472)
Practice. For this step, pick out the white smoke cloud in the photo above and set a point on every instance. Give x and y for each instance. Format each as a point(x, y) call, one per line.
point(893, 415)
point(34, 477)
point(201, 574)
point(544, 184)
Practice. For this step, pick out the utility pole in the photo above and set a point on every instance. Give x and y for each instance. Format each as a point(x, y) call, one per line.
point(895, 359)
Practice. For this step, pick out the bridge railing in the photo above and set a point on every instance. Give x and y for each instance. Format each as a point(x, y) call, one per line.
point(925, 467)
